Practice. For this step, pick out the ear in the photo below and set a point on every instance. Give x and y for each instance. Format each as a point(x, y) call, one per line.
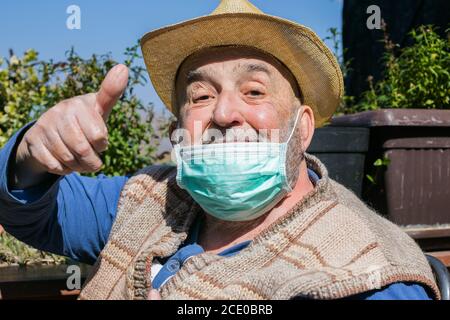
point(172, 127)
point(307, 125)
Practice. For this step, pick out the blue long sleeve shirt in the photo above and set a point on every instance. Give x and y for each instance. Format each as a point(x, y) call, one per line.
point(72, 216)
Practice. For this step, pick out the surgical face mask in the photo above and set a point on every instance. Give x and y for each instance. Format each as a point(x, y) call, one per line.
point(236, 181)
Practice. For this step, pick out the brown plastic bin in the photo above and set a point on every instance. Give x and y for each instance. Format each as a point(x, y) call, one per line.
point(414, 188)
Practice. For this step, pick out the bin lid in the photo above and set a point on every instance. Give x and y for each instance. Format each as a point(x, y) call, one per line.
point(395, 117)
point(418, 143)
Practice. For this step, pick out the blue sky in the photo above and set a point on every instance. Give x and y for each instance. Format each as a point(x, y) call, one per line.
point(113, 25)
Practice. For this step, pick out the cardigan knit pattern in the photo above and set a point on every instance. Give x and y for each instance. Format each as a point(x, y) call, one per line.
point(330, 245)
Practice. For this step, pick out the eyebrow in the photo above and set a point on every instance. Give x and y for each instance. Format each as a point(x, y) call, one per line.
point(197, 75)
point(256, 67)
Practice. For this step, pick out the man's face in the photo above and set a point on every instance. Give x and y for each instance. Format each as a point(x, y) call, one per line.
point(235, 88)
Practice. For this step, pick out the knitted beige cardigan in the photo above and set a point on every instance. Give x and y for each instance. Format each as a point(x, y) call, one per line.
point(329, 246)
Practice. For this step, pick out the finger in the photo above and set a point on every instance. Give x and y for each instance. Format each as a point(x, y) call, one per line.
point(94, 129)
point(111, 89)
point(47, 160)
point(75, 140)
point(60, 151)
point(154, 295)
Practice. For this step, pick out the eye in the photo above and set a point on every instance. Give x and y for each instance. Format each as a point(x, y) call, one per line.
point(255, 93)
point(202, 98)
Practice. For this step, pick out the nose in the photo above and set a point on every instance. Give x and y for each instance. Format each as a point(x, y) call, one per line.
point(227, 111)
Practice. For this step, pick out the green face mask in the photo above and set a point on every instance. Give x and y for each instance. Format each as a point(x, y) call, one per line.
point(234, 181)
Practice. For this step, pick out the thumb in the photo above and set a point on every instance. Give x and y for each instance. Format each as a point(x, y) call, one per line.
point(111, 89)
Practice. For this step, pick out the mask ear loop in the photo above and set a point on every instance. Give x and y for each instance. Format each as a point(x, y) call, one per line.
point(294, 127)
point(288, 187)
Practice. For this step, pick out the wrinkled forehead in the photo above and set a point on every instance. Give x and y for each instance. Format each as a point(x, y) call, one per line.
point(257, 60)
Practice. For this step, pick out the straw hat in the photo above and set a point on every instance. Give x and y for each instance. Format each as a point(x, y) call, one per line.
point(238, 22)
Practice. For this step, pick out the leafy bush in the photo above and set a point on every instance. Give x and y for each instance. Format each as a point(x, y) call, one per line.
point(415, 77)
point(29, 86)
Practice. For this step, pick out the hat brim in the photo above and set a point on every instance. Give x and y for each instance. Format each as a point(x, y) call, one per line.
point(311, 62)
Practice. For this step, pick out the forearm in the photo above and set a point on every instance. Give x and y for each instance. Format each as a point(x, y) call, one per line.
point(68, 215)
point(23, 211)
point(22, 171)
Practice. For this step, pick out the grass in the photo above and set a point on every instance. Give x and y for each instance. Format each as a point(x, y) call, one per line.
point(15, 252)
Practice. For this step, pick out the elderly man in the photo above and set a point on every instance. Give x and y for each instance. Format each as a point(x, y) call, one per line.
point(247, 214)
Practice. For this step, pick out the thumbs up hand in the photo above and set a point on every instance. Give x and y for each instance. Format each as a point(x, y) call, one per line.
point(70, 136)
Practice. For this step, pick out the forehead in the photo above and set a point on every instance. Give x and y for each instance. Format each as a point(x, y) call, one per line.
point(232, 59)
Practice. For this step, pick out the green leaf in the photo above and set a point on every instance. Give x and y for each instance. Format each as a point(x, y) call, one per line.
point(370, 178)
